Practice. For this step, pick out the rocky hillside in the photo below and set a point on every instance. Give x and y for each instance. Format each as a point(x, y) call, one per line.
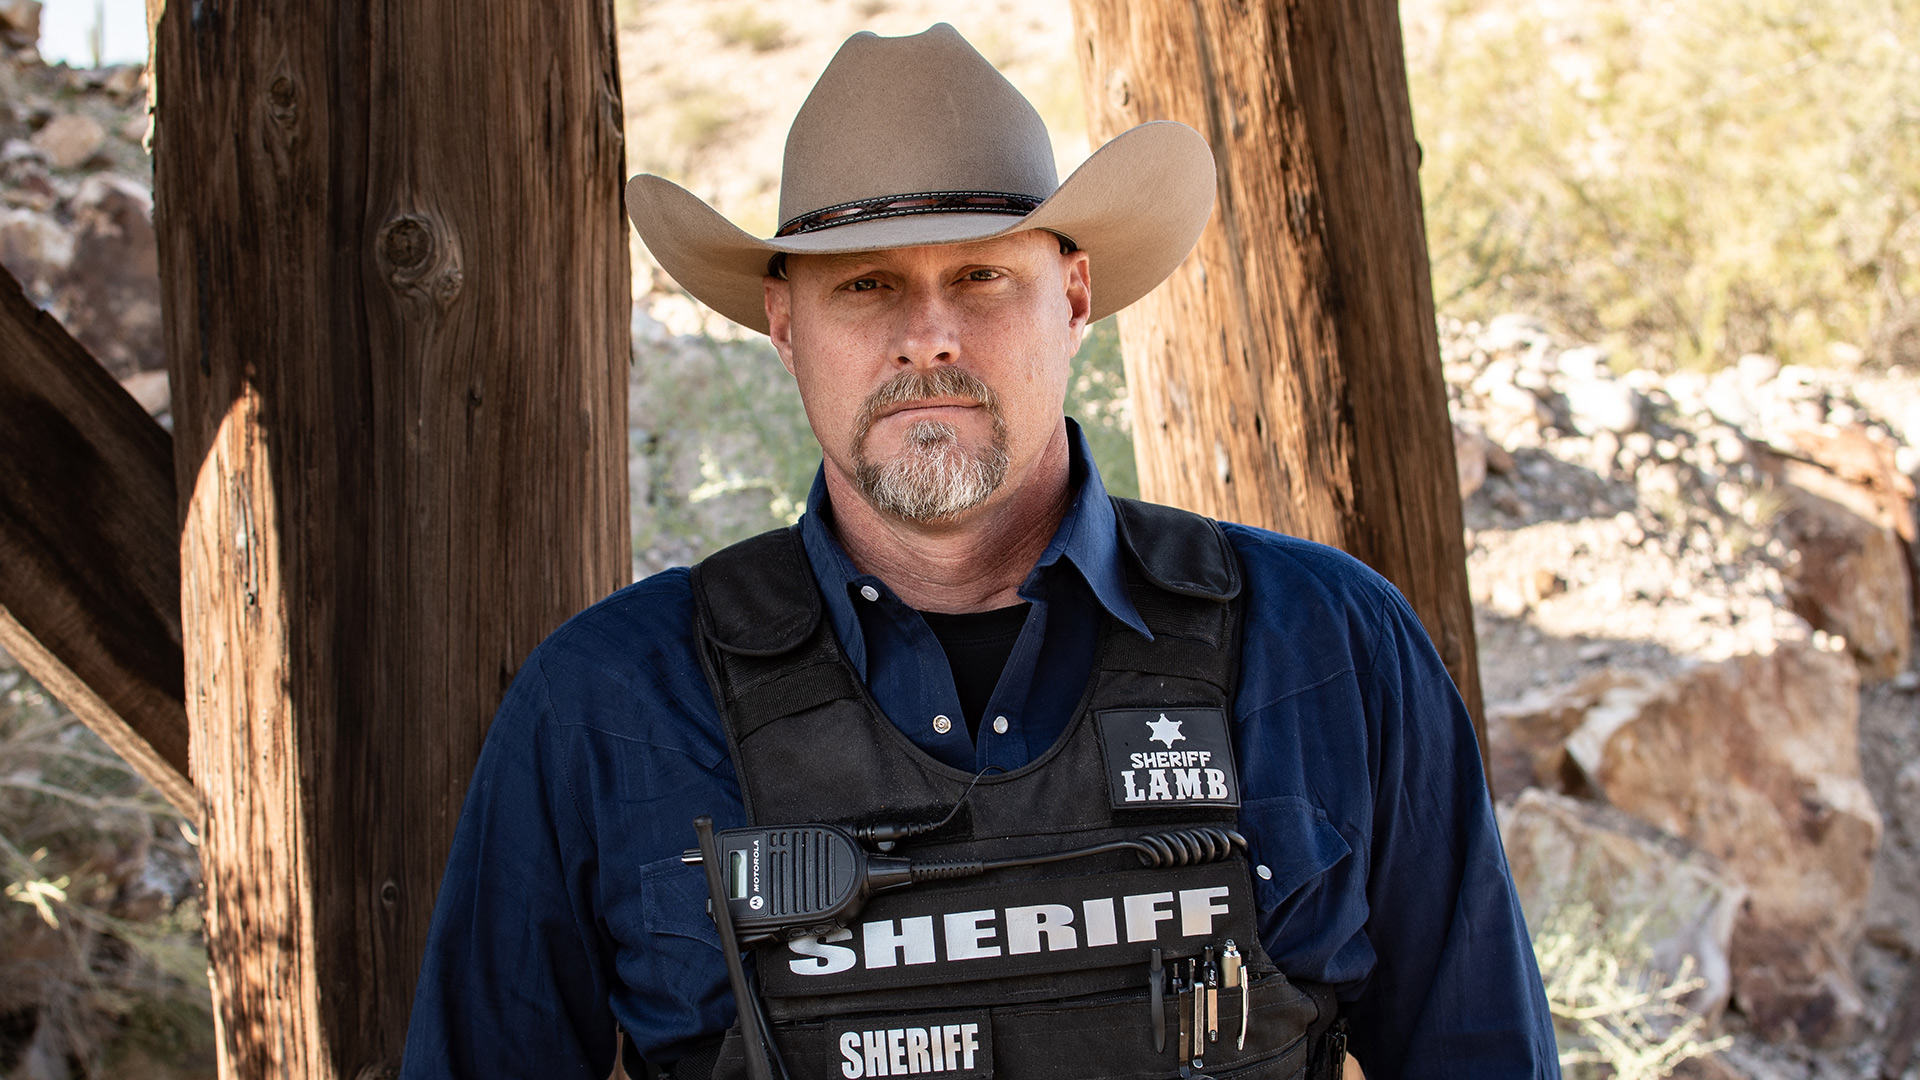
point(1695, 610)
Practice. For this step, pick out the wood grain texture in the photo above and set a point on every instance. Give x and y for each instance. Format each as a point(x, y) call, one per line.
point(396, 295)
point(1288, 374)
point(89, 563)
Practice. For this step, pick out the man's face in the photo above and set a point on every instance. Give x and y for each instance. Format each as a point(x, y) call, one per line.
point(933, 376)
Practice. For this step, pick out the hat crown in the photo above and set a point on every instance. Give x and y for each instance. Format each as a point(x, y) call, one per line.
point(906, 115)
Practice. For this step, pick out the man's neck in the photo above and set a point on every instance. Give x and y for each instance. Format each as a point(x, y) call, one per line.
point(976, 562)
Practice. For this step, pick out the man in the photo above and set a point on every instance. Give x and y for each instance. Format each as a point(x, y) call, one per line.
point(1233, 802)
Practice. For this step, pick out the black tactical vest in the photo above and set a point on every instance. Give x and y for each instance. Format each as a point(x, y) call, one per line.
point(1036, 973)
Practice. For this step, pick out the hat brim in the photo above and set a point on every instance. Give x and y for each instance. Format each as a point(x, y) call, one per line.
point(1136, 207)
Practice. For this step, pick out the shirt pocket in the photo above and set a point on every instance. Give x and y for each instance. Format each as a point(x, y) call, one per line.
point(1291, 839)
point(673, 904)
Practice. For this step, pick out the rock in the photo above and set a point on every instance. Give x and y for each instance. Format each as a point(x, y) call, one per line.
point(151, 389)
point(70, 140)
point(1469, 458)
point(1514, 330)
point(1755, 761)
point(1755, 369)
point(135, 130)
point(124, 80)
point(1568, 851)
point(20, 23)
point(111, 291)
point(34, 248)
point(1603, 405)
point(1710, 1067)
point(1526, 739)
point(1851, 581)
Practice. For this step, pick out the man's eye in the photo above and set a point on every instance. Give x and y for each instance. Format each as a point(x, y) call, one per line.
point(983, 275)
point(865, 284)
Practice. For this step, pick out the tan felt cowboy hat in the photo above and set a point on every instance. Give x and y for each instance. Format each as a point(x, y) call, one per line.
point(918, 140)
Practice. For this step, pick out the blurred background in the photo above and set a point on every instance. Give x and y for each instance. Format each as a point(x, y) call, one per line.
point(1676, 256)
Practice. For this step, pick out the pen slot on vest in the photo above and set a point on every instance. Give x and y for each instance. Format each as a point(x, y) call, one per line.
point(1199, 1014)
point(1185, 1046)
point(1157, 1001)
point(1210, 974)
point(1233, 974)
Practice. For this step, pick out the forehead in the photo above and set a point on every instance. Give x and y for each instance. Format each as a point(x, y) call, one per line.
point(1021, 245)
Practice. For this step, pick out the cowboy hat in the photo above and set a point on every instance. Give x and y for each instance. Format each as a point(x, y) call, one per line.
point(918, 140)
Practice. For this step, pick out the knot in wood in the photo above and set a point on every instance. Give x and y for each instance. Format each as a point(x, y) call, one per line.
point(283, 100)
point(406, 244)
point(1119, 91)
point(389, 894)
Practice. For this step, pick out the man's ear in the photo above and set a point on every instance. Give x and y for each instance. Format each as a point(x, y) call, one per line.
point(779, 300)
point(1078, 271)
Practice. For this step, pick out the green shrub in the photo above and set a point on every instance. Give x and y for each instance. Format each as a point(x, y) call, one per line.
point(746, 27)
point(1686, 181)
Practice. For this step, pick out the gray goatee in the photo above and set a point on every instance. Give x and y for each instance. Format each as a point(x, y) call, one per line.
point(934, 477)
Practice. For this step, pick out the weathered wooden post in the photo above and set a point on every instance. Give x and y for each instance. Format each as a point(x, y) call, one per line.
point(396, 293)
point(1288, 375)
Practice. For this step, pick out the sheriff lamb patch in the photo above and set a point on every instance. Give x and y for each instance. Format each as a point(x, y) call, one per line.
point(960, 1045)
point(1161, 758)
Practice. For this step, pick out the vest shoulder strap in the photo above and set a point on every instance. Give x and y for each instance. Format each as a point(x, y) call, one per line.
point(1179, 551)
point(757, 597)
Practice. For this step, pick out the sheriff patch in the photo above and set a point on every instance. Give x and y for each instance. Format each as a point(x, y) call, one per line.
point(1164, 758)
point(959, 1045)
point(996, 930)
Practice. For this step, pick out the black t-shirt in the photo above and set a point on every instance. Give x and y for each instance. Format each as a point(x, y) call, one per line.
point(977, 646)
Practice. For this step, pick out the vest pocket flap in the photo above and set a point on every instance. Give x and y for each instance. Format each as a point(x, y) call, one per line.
point(1293, 841)
point(673, 900)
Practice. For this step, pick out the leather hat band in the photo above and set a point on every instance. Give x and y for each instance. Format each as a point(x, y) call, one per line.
point(926, 202)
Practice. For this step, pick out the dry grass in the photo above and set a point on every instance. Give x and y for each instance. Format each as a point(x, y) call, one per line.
point(1686, 181)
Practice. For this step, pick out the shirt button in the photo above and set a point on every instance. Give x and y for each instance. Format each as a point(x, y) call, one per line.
point(869, 592)
point(1264, 872)
point(999, 725)
point(942, 725)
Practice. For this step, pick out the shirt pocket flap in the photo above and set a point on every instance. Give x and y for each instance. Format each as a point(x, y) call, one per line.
point(674, 901)
point(1293, 839)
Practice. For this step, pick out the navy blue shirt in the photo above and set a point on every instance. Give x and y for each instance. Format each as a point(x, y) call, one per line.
point(565, 909)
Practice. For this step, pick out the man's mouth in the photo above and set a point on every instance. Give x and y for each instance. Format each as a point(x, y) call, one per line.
point(927, 404)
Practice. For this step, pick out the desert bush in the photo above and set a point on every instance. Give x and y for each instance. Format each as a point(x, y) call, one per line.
point(102, 969)
point(1686, 181)
point(1614, 1014)
point(747, 27)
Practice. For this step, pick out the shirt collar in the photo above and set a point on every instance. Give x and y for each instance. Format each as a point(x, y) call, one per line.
point(1088, 538)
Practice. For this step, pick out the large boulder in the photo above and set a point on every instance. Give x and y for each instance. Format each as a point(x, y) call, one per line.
point(1678, 901)
point(110, 294)
point(1469, 457)
point(1755, 761)
point(1848, 511)
point(19, 23)
point(1527, 737)
point(1851, 581)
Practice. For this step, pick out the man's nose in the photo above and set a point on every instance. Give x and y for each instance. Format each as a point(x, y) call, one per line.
point(927, 334)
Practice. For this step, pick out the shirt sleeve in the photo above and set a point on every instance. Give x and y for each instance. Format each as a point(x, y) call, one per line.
point(515, 977)
point(1455, 991)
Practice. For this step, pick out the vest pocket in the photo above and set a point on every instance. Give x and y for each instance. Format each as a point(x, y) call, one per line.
point(1105, 1037)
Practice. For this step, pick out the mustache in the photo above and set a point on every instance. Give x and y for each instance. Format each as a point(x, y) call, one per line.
point(916, 385)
